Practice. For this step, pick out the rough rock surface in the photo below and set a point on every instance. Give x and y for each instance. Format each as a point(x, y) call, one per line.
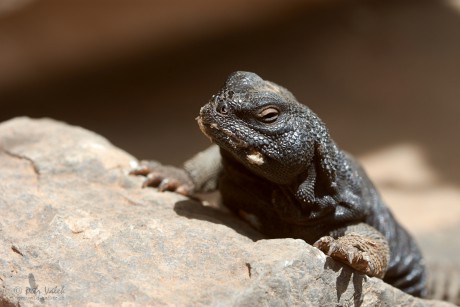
point(75, 229)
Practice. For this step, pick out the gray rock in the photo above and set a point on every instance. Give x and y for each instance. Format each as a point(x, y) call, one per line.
point(76, 229)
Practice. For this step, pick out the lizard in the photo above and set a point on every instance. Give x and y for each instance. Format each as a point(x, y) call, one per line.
point(276, 166)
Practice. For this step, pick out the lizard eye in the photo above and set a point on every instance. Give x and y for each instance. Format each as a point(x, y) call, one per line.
point(268, 115)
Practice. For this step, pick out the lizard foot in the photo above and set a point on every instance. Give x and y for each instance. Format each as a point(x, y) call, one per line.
point(357, 251)
point(164, 177)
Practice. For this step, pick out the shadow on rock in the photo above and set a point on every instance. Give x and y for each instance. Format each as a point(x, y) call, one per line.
point(195, 210)
point(343, 280)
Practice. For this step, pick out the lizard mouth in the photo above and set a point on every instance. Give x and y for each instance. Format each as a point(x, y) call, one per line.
point(203, 128)
point(228, 135)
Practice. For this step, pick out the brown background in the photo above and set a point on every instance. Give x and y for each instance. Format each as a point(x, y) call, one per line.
point(383, 75)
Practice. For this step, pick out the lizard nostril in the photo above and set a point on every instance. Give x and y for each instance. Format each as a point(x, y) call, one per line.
point(222, 108)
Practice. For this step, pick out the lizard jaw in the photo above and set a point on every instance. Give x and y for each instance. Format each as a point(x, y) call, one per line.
point(233, 140)
point(203, 129)
point(253, 157)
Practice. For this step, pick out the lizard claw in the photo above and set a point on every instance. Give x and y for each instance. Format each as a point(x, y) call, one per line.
point(350, 255)
point(152, 180)
point(168, 184)
point(163, 177)
point(333, 247)
point(141, 170)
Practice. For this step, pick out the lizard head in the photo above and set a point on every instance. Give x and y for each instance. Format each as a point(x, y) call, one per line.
point(260, 124)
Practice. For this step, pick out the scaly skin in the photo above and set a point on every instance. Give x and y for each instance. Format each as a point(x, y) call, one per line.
point(279, 169)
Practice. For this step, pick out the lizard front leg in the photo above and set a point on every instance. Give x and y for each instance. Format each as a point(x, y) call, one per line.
point(199, 174)
point(360, 246)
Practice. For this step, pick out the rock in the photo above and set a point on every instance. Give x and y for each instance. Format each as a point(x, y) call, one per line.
point(76, 229)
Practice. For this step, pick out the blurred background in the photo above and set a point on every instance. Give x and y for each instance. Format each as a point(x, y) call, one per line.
point(383, 75)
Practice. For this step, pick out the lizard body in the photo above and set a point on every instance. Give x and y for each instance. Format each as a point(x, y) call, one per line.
point(276, 166)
